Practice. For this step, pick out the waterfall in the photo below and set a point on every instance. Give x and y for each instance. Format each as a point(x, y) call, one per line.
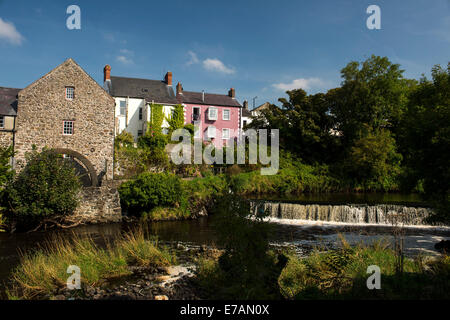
point(383, 214)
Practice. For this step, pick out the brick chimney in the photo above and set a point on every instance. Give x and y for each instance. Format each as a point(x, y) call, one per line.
point(168, 78)
point(179, 89)
point(232, 93)
point(245, 104)
point(107, 78)
point(107, 73)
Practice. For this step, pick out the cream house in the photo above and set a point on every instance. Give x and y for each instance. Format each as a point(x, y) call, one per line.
point(134, 98)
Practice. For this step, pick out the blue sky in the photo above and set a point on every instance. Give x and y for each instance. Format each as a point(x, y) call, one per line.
point(259, 47)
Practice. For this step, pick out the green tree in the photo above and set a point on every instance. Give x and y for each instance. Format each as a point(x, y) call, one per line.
point(425, 139)
point(373, 92)
point(373, 160)
point(46, 188)
point(304, 122)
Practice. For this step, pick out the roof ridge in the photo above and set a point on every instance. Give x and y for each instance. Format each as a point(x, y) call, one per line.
point(137, 78)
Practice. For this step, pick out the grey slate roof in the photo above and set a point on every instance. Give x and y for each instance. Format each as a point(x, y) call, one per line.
point(211, 99)
point(8, 101)
point(150, 90)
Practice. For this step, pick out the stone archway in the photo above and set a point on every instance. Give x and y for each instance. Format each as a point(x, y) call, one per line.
point(90, 170)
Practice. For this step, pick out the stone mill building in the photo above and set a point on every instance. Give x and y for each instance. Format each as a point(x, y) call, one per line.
point(65, 110)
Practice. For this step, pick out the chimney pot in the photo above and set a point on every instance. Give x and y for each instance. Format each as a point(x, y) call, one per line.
point(168, 78)
point(245, 104)
point(232, 93)
point(107, 73)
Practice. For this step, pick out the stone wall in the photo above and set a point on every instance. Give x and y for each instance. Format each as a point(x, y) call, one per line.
point(99, 204)
point(6, 138)
point(43, 108)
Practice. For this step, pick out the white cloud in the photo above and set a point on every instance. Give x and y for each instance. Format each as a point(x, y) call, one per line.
point(301, 83)
point(126, 52)
point(193, 58)
point(9, 32)
point(124, 60)
point(217, 65)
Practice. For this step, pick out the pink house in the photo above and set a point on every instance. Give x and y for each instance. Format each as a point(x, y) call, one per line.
point(216, 117)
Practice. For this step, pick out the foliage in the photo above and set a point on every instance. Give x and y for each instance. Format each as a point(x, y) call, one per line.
point(48, 186)
point(176, 120)
point(166, 213)
point(425, 140)
point(41, 273)
point(373, 160)
point(6, 172)
point(342, 273)
point(245, 270)
point(157, 118)
point(151, 190)
point(304, 123)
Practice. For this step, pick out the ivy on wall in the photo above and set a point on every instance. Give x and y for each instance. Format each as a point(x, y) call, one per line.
point(157, 118)
point(176, 121)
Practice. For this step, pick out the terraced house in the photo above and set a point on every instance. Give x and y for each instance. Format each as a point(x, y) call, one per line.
point(134, 98)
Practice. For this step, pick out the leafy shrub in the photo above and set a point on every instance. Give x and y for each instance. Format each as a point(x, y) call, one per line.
point(46, 187)
point(151, 190)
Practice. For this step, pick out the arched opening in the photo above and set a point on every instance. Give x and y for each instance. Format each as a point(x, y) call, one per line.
point(83, 167)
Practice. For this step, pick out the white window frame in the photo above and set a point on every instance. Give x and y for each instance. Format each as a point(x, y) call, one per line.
point(210, 117)
point(2, 122)
point(70, 95)
point(199, 113)
point(122, 106)
point(229, 114)
point(71, 127)
point(211, 132)
point(223, 133)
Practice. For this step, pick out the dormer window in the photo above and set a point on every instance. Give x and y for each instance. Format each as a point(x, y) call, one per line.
point(70, 93)
point(212, 113)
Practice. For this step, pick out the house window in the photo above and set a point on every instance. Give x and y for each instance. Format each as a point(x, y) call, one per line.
point(244, 123)
point(123, 108)
point(2, 122)
point(195, 113)
point(140, 113)
point(226, 134)
point(212, 113)
point(211, 132)
point(226, 114)
point(68, 128)
point(139, 133)
point(70, 93)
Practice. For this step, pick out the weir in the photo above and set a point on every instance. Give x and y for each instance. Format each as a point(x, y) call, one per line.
point(383, 214)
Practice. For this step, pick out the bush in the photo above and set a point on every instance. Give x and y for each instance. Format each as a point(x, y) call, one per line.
point(48, 186)
point(151, 190)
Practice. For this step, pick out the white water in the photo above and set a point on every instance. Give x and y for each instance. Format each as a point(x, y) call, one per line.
point(382, 214)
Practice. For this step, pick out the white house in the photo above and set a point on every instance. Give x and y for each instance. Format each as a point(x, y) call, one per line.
point(134, 98)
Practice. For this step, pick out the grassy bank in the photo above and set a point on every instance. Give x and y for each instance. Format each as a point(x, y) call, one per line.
point(42, 272)
point(342, 274)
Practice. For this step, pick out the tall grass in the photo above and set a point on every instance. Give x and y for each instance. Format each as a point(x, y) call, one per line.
point(42, 272)
point(342, 273)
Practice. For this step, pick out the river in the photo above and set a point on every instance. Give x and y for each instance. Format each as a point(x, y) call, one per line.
point(302, 235)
